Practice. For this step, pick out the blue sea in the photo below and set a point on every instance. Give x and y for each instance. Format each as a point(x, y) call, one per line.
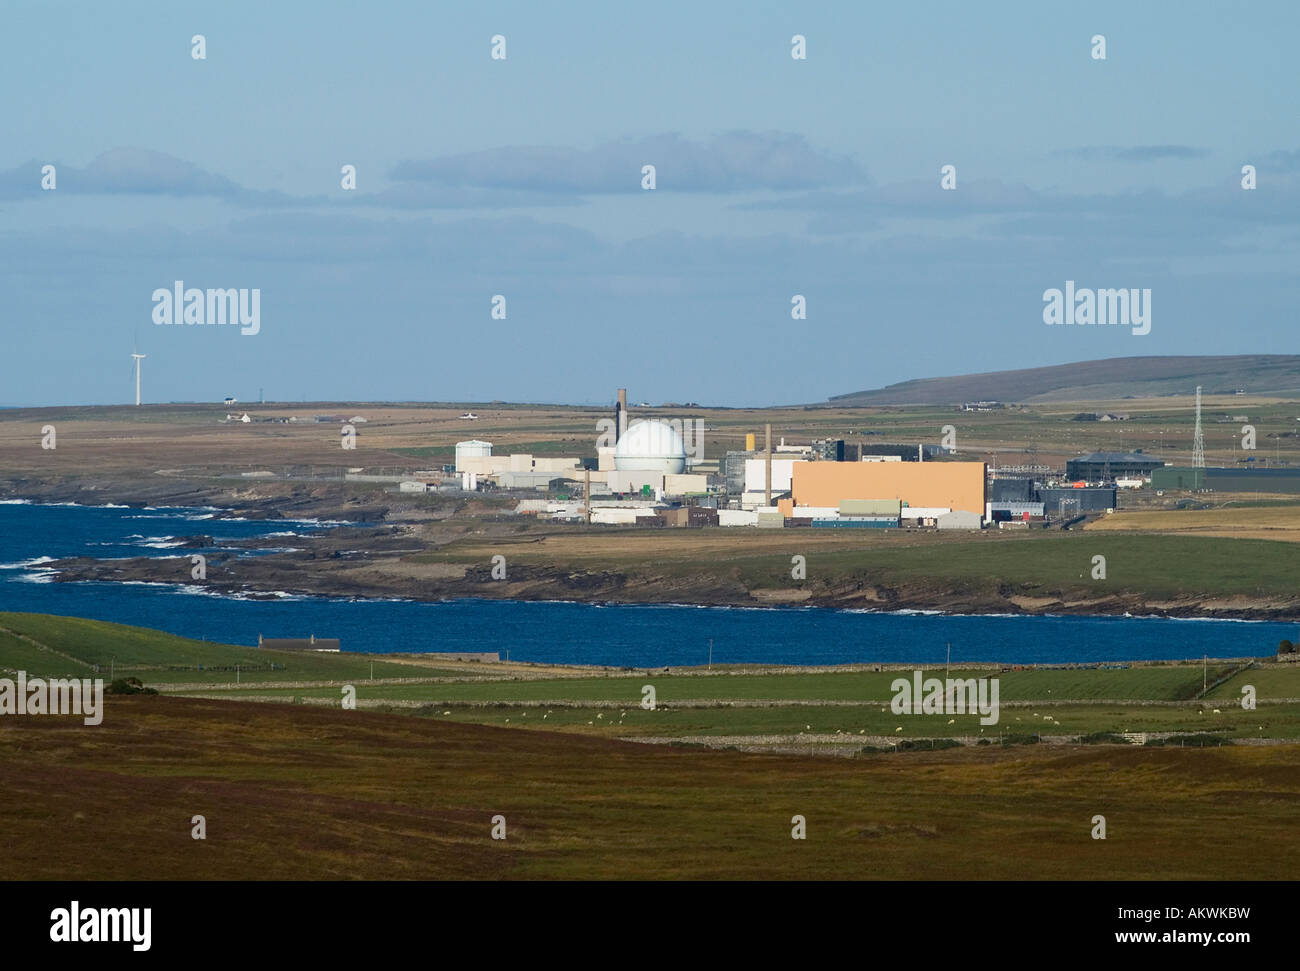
point(551, 632)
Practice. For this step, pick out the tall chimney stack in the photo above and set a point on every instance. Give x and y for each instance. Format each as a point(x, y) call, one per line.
point(767, 461)
point(620, 415)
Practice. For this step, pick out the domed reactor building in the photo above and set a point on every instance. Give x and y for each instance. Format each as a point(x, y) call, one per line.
point(650, 445)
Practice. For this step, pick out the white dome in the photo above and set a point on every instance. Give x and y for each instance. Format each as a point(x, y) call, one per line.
point(650, 446)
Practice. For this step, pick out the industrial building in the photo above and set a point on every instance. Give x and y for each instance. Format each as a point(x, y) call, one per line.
point(650, 446)
point(1067, 501)
point(1011, 490)
point(473, 449)
point(1107, 466)
point(946, 485)
point(1227, 480)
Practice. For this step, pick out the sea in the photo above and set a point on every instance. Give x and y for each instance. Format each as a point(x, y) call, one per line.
point(31, 535)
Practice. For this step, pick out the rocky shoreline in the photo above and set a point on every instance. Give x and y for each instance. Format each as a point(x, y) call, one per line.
point(370, 559)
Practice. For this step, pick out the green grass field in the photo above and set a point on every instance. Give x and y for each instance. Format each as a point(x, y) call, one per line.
point(1038, 563)
point(313, 793)
point(72, 647)
point(730, 701)
point(1164, 683)
point(304, 791)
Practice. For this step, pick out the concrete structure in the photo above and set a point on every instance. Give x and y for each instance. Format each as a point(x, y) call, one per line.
point(625, 483)
point(756, 500)
point(955, 485)
point(737, 517)
point(959, 519)
point(756, 472)
point(870, 507)
point(616, 517)
point(474, 448)
point(685, 484)
point(412, 486)
point(525, 480)
point(694, 516)
point(650, 446)
point(922, 515)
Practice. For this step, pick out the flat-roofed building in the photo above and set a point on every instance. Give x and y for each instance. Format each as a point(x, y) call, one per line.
point(1105, 466)
point(952, 485)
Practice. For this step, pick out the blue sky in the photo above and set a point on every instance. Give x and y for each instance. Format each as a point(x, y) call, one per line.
point(522, 177)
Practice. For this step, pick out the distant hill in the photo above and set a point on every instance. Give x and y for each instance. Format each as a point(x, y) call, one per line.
point(1115, 377)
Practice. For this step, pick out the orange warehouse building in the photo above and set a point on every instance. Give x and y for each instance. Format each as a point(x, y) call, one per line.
point(954, 485)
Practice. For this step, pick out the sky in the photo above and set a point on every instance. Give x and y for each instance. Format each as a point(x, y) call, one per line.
point(522, 177)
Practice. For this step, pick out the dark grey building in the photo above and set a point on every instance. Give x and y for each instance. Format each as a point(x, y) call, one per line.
point(908, 453)
point(1105, 466)
point(829, 449)
point(1011, 490)
point(1066, 502)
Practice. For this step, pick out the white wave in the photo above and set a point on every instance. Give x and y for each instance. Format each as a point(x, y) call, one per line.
point(113, 505)
point(27, 564)
point(15, 502)
point(191, 589)
point(162, 544)
point(38, 576)
point(1217, 620)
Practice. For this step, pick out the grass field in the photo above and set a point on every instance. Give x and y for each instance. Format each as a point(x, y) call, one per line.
point(305, 791)
point(112, 439)
point(1280, 521)
point(72, 647)
point(1033, 564)
point(1164, 683)
point(737, 700)
point(309, 793)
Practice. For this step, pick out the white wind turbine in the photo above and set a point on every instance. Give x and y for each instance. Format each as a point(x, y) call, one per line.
point(138, 359)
